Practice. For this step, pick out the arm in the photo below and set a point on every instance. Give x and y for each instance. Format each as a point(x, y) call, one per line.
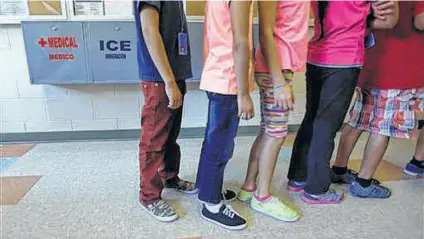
point(240, 13)
point(419, 22)
point(386, 14)
point(149, 17)
point(419, 16)
point(267, 10)
point(267, 15)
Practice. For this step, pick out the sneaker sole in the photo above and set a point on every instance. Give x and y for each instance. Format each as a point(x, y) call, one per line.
point(184, 192)
point(317, 202)
point(162, 219)
point(229, 200)
point(295, 189)
point(277, 218)
point(411, 173)
point(244, 200)
point(366, 197)
point(232, 228)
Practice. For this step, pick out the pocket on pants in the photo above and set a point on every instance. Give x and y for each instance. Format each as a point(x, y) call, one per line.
point(405, 119)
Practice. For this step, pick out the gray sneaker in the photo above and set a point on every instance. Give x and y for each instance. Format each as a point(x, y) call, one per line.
point(375, 190)
point(161, 211)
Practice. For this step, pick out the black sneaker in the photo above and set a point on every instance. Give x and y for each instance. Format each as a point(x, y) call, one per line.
point(227, 218)
point(346, 178)
point(181, 186)
point(226, 195)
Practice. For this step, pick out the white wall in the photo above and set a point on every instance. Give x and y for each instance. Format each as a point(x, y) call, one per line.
point(47, 108)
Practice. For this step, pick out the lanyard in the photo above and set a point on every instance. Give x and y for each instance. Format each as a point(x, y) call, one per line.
point(181, 15)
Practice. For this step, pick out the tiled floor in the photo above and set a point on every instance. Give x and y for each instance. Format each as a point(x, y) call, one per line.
point(89, 190)
point(15, 150)
point(14, 188)
point(6, 162)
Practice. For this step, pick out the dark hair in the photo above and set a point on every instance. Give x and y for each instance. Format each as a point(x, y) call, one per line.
point(322, 10)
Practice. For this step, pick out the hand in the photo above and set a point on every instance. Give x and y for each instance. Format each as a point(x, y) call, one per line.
point(284, 96)
point(174, 95)
point(245, 107)
point(382, 8)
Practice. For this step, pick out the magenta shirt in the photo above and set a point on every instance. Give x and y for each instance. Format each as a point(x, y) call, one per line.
point(344, 27)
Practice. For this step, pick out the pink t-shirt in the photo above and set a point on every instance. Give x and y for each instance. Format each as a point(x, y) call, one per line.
point(290, 35)
point(344, 29)
point(218, 73)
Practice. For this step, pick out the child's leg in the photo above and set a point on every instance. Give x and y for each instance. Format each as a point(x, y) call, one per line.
point(360, 117)
point(415, 167)
point(348, 140)
point(389, 107)
point(171, 168)
point(419, 151)
point(152, 147)
point(153, 140)
point(336, 95)
point(218, 145)
point(249, 184)
point(274, 127)
point(298, 162)
point(173, 151)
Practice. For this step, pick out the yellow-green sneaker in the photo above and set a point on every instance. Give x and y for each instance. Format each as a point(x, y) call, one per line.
point(244, 195)
point(273, 207)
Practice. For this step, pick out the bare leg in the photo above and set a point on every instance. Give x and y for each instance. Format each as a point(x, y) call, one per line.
point(253, 168)
point(263, 157)
point(347, 143)
point(268, 158)
point(419, 151)
point(373, 154)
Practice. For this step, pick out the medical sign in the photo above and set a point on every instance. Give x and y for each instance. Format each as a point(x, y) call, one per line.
point(114, 49)
point(59, 47)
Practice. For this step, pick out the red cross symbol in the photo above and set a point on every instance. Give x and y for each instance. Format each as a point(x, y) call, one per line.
point(42, 42)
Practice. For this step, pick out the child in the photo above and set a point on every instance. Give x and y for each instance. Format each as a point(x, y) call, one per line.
point(283, 27)
point(388, 102)
point(227, 78)
point(163, 69)
point(335, 57)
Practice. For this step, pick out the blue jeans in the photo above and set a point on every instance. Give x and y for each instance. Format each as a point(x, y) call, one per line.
point(218, 145)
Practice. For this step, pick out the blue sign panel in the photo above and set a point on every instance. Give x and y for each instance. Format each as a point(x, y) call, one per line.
point(55, 52)
point(112, 51)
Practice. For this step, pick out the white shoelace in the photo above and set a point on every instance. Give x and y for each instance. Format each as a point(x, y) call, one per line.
point(229, 211)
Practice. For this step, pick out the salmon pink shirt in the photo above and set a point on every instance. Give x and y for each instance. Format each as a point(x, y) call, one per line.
point(218, 75)
point(344, 33)
point(290, 35)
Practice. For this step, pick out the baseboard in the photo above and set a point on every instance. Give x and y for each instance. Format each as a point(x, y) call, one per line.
point(186, 133)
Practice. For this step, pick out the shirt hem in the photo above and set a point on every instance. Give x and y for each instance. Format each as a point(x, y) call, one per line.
point(336, 66)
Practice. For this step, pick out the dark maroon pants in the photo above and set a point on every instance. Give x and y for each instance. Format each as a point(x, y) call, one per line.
point(159, 153)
